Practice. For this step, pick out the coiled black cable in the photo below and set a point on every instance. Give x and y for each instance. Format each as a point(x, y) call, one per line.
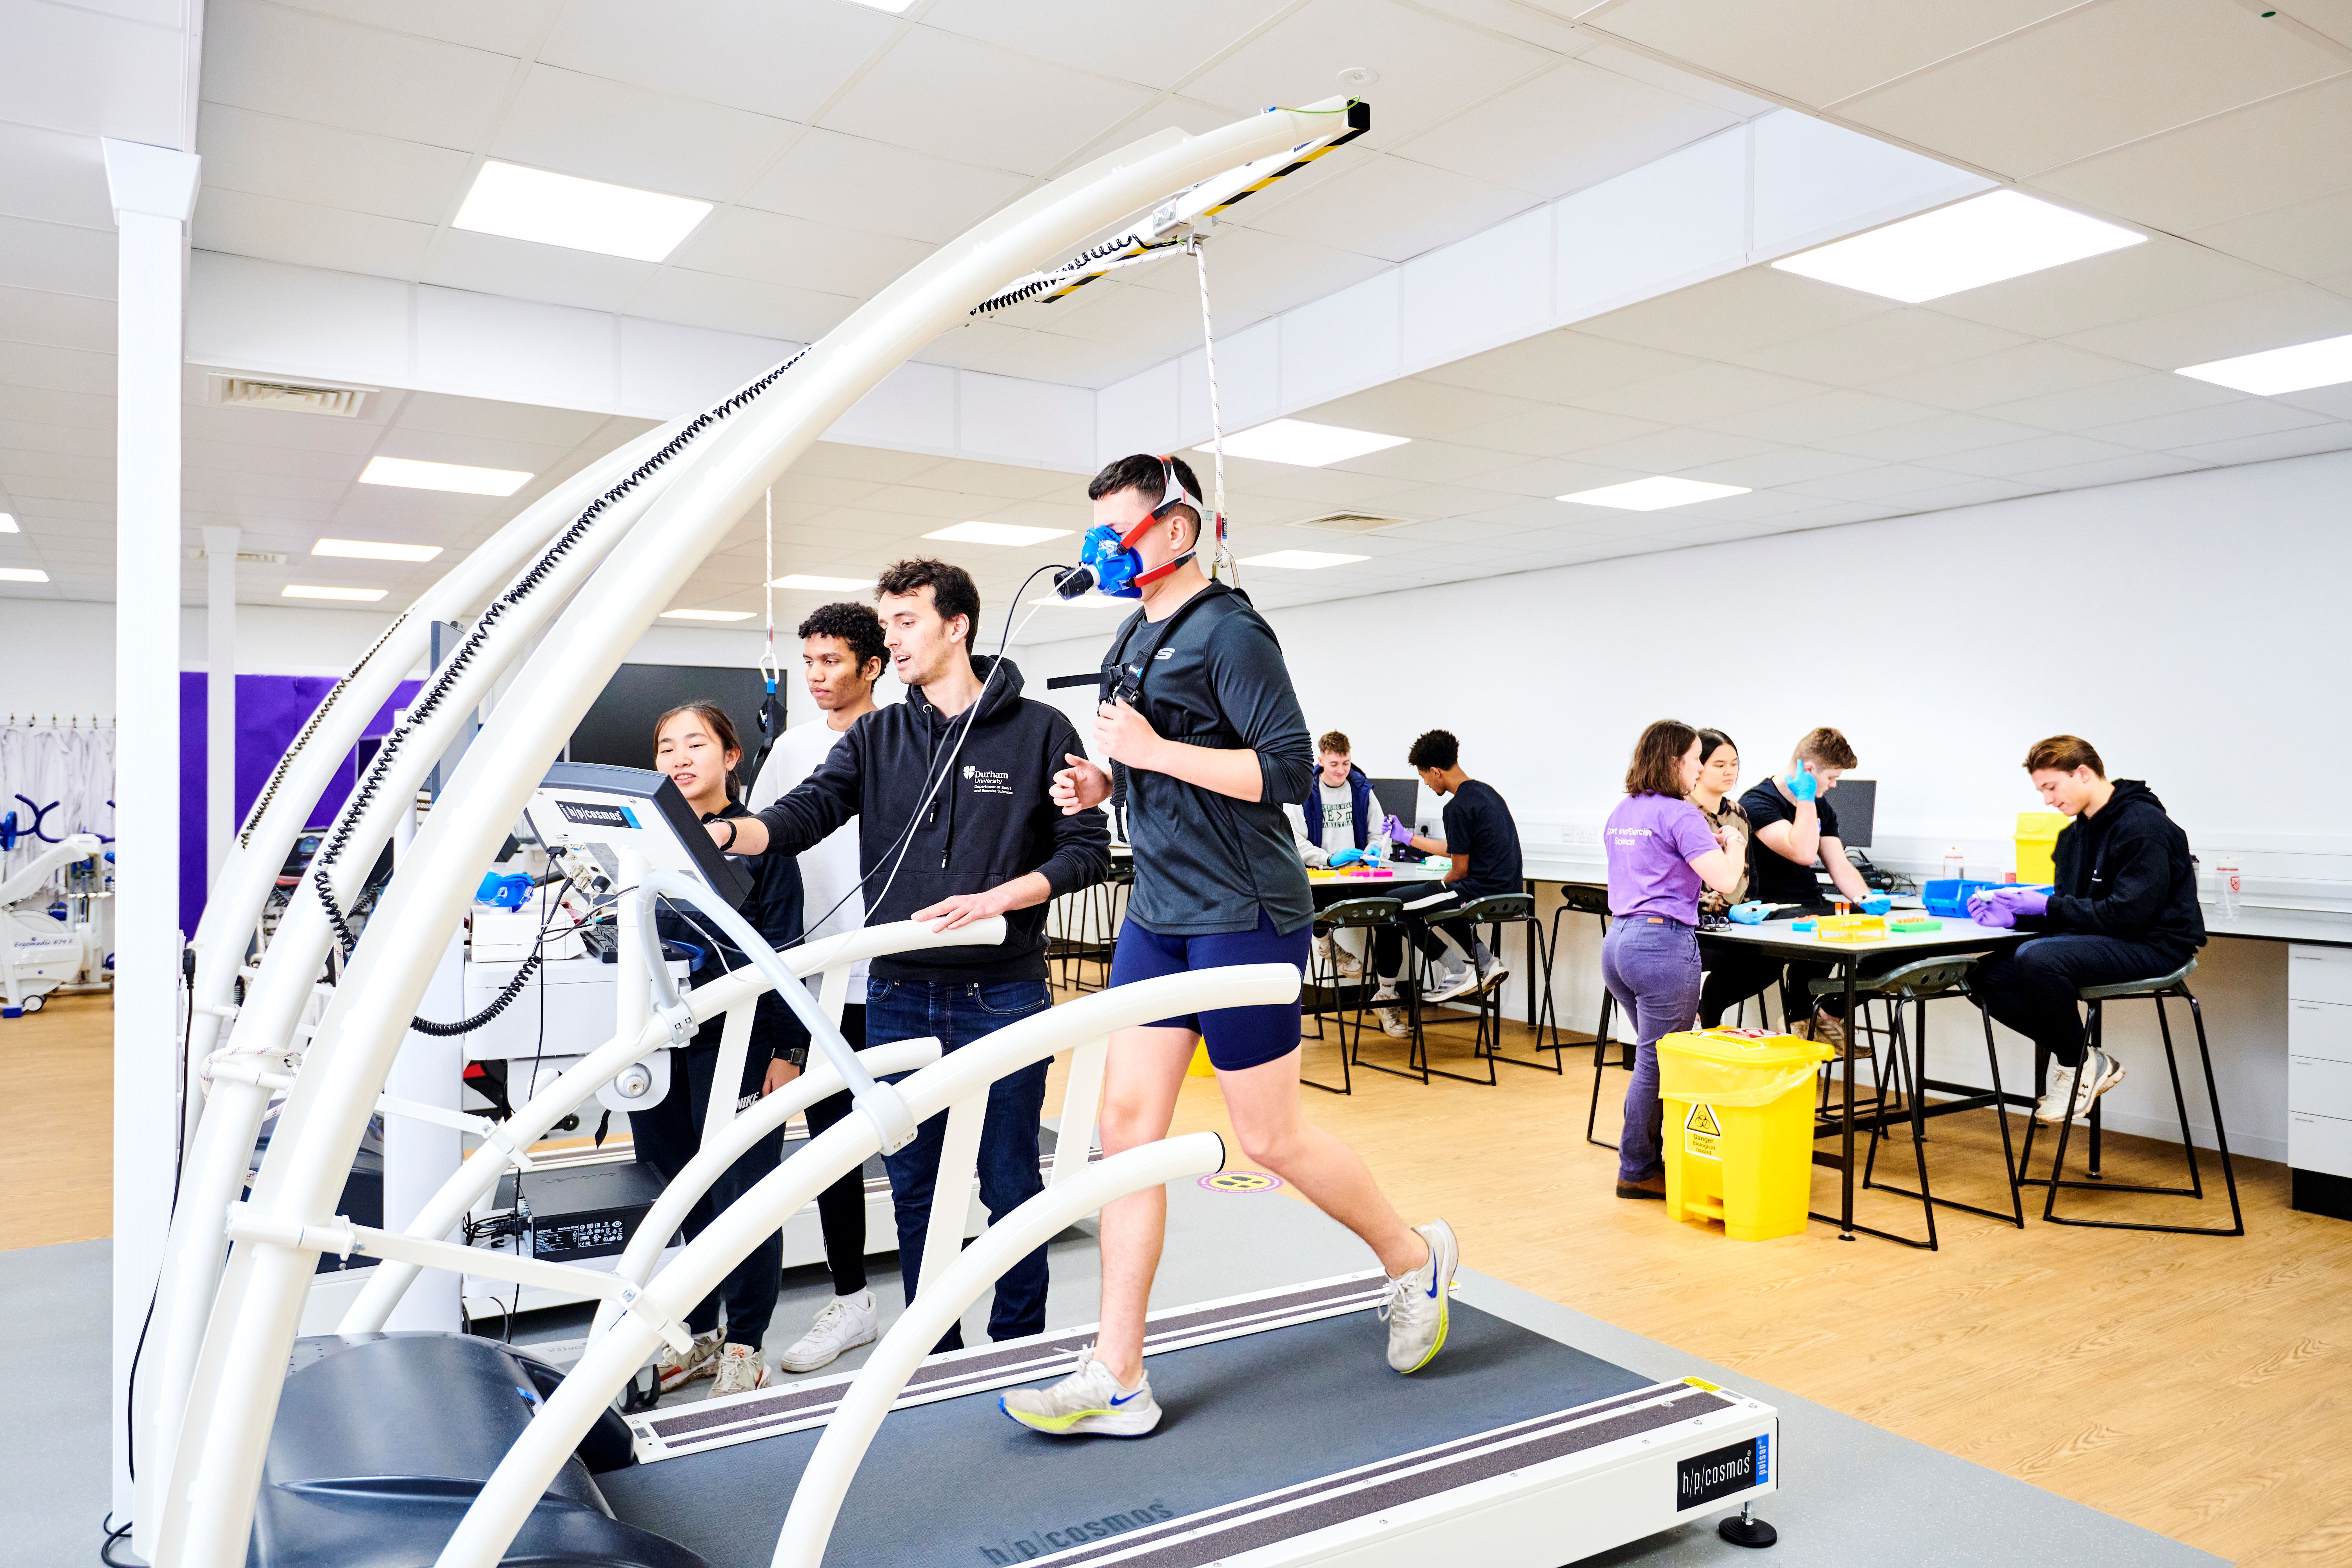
point(445, 679)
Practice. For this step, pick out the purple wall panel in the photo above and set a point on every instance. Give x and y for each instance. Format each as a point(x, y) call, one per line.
point(270, 712)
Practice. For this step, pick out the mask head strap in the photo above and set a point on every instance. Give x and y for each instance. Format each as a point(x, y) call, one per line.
point(1174, 494)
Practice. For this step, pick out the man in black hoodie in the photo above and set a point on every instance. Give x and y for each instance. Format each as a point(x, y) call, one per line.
point(960, 772)
point(2124, 908)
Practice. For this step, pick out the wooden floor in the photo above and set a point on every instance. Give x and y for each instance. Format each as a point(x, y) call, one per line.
point(2200, 1387)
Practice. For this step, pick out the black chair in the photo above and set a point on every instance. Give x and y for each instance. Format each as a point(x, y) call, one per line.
point(2174, 987)
point(1367, 915)
point(1493, 912)
point(1906, 1059)
point(1582, 899)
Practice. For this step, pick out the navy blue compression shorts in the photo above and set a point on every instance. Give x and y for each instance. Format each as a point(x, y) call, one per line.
point(1237, 1037)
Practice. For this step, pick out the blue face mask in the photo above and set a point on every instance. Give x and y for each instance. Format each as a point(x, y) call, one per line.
point(1106, 558)
point(1114, 565)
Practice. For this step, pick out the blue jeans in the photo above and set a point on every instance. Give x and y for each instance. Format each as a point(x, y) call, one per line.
point(959, 1012)
point(1651, 967)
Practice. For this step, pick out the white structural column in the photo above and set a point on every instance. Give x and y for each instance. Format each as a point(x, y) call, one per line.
point(154, 190)
point(220, 697)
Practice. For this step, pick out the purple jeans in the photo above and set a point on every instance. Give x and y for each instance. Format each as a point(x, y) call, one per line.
point(1651, 967)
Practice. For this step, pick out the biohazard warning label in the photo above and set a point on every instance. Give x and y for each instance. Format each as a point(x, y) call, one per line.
point(1702, 1134)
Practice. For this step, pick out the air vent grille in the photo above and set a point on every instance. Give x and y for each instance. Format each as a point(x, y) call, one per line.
point(249, 391)
point(1350, 523)
point(245, 557)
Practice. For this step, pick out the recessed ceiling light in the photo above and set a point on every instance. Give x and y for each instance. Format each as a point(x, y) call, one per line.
point(1653, 494)
point(1305, 444)
point(374, 550)
point(23, 575)
point(7, 524)
point(706, 615)
point(997, 533)
point(1300, 559)
point(578, 215)
point(2295, 368)
point(823, 584)
point(312, 590)
point(460, 478)
point(1965, 245)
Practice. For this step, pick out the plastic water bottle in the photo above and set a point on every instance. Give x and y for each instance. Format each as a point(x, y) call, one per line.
point(1953, 870)
point(2227, 887)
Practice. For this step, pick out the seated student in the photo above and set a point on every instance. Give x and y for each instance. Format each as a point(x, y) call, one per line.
point(1794, 824)
point(1732, 974)
point(1338, 810)
point(2124, 908)
point(1483, 845)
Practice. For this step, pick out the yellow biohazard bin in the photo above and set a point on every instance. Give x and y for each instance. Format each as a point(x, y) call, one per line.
point(2037, 845)
point(1739, 1129)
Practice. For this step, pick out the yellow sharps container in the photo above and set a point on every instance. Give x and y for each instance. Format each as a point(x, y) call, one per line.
point(1739, 1129)
point(2037, 847)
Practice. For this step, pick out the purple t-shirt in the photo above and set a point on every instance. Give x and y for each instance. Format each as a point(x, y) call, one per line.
point(1652, 840)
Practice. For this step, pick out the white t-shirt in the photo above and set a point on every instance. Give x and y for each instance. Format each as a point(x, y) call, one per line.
point(1339, 815)
point(829, 870)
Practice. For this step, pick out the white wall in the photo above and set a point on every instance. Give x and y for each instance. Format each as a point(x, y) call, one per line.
point(2190, 626)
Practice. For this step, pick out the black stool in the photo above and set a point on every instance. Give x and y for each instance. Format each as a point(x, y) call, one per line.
point(2174, 986)
point(1493, 912)
point(1367, 915)
point(1581, 899)
point(1929, 980)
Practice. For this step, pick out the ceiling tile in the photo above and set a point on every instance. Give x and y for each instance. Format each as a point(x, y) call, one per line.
point(1777, 465)
point(59, 320)
point(2095, 77)
point(737, 242)
point(275, 427)
point(1672, 451)
point(1426, 462)
point(1154, 45)
point(60, 257)
point(1553, 477)
point(2112, 402)
point(858, 184)
point(2014, 458)
point(1391, 207)
point(1549, 432)
point(1658, 73)
point(2310, 239)
point(2203, 427)
point(1873, 484)
point(1818, 51)
point(1425, 409)
point(443, 414)
point(1925, 439)
point(938, 93)
point(1570, 128)
point(1895, 342)
point(1743, 310)
point(492, 264)
point(1560, 367)
point(741, 305)
point(2112, 470)
point(1969, 492)
point(1705, 395)
point(778, 58)
point(2224, 329)
point(2160, 274)
point(239, 457)
point(1812, 420)
point(509, 27)
point(309, 236)
point(279, 61)
point(2022, 372)
point(601, 130)
point(2335, 436)
point(2226, 166)
point(53, 177)
point(300, 161)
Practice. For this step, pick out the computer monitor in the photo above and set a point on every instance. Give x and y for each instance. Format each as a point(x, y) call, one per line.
point(1398, 798)
point(1856, 801)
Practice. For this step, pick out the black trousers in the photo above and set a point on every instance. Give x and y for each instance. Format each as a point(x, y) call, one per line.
point(670, 1135)
point(1388, 941)
point(841, 1207)
point(1733, 976)
point(2031, 987)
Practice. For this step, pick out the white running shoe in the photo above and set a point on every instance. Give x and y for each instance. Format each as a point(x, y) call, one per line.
point(2100, 1073)
point(1387, 992)
point(701, 1360)
point(1394, 1022)
point(842, 1325)
point(741, 1368)
point(1417, 1302)
point(1492, 972)
point(1089, 1400)
point(1347, 965)
point(2052, 1109)
point(1452, 983)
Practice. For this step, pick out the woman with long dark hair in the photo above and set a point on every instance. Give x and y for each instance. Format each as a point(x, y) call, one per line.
point(1662, 852)
point(697, 746)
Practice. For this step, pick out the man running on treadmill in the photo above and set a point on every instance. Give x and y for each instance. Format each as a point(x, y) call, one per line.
point(1209, 742)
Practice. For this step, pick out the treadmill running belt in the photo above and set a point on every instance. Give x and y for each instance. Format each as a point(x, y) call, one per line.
point(957, 1482)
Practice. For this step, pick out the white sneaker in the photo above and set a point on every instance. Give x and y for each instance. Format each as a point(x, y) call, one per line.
point(2052, 1109)
point(741, 1368)
point(1494, 972)
point(2100, 1073)
point(842, 1324)
point(1416, 1304)
point(1089, 1400)
point(1394, 1022)
point(701, 1360)
point(1387, 992)
point(1347, 962)
point(1452, 983)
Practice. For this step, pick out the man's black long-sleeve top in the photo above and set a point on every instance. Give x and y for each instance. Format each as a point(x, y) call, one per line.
point(990, 821)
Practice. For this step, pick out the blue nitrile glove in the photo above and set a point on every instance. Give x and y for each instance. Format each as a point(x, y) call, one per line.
point(1398, 834)
point(1801, 785)
point(1346, 857)
point(1751, 914)
point(1877, 903)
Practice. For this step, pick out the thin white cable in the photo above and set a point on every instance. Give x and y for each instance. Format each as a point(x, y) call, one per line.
point(1221, 553)
point(768, 665)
